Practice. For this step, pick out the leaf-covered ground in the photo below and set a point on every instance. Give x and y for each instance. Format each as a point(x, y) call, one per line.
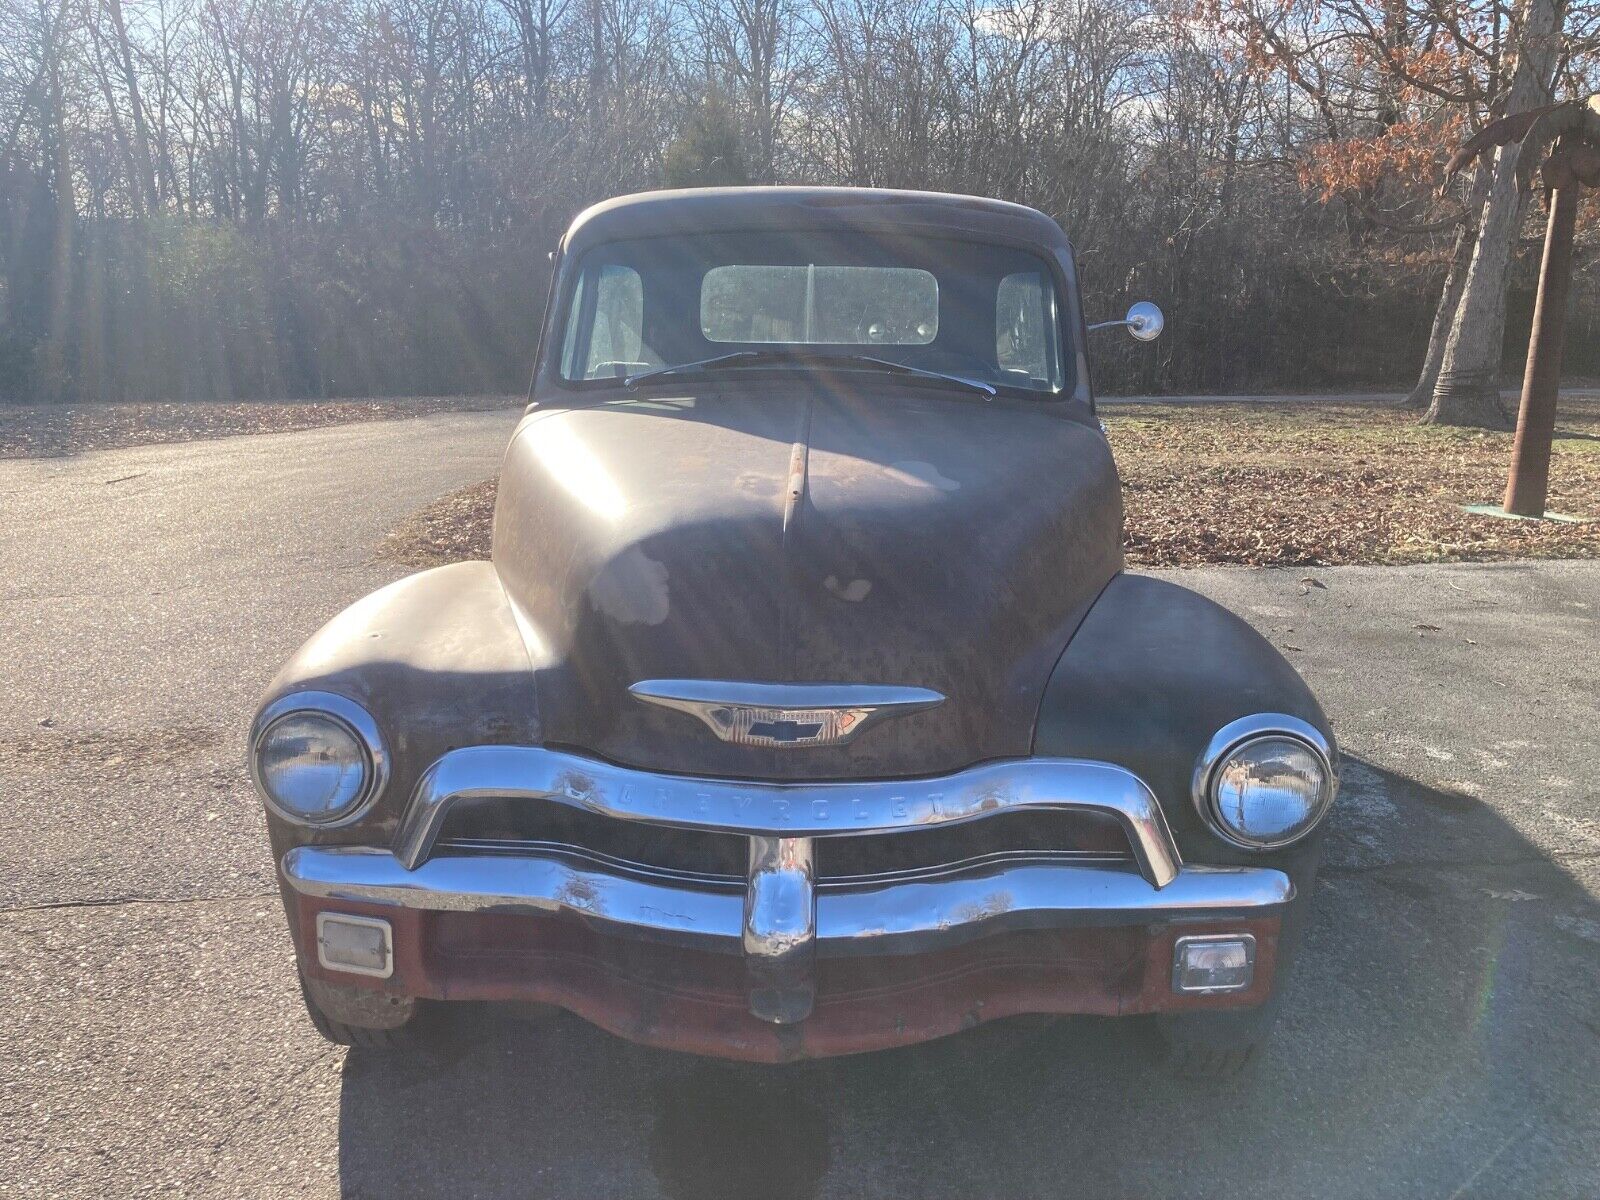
point(1293, 484)
point(51, 430)
point(1323, 484)
point(452, 528)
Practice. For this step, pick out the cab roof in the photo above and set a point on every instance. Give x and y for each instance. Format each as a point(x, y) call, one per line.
point(704, 210)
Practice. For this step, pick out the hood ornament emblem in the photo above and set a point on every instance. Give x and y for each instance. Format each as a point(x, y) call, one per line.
point(785, 716)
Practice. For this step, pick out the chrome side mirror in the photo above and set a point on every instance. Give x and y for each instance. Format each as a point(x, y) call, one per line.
point(1144, 322)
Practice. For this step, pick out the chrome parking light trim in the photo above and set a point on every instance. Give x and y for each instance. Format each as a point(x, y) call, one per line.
point(1178, 946)
point(383, 972)
point(897, 917)
point(787, 810)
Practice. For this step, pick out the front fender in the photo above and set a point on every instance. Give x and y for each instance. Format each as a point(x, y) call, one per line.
point(1152, 673)
point(438, 660)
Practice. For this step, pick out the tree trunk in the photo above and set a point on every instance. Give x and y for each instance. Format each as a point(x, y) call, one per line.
point(1455, 280)
point(1468, 388)
point(144, 172)
point(56, 376)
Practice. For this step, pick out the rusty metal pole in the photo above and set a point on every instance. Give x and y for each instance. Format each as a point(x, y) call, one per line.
point(1529, 482)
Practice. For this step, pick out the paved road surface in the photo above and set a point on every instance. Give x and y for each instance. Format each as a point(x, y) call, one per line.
point(1444, 1029)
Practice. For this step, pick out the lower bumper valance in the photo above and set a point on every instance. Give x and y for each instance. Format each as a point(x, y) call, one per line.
point(899, 919)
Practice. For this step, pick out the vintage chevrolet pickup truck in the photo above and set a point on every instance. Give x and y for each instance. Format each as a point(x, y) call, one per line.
point(804, 707)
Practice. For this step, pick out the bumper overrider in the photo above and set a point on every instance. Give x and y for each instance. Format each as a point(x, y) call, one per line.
point(781, 963)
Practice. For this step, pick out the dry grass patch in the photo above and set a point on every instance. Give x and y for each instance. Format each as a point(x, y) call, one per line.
point(451, 529)
point(52, 430)
point(1301, 483)
point(1279, 484)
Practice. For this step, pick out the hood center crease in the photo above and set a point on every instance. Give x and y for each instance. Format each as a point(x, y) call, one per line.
point(794, 494)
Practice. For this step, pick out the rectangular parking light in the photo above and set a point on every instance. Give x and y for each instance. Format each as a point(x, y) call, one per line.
point(360, 945)
point(1221, 963)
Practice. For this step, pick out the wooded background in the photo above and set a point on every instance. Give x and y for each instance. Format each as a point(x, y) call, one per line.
point(284, 198)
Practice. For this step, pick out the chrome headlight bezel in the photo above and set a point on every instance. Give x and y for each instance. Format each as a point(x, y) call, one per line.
point(1243, 733)
point(353, 719)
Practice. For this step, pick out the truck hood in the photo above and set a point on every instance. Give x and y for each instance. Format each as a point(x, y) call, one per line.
point(803, 534)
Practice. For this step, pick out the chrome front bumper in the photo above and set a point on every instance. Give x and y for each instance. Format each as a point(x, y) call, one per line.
point(781, 917)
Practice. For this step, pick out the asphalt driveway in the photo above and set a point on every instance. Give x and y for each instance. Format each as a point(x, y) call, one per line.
point(1443, 1036)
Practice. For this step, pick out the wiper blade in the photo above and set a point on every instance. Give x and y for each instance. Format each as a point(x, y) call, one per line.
point(701, 364)
point(899, 368)
point(789, 356)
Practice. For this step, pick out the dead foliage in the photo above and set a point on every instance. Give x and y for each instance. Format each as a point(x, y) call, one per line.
point(52, 430)
point(452, 528)
point(1301, 484)
point(1263, 484)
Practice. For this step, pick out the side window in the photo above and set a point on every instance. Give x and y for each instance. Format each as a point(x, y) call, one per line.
point(569, 342)
point(604, 328)
point(1025, 327)
point(618, 315)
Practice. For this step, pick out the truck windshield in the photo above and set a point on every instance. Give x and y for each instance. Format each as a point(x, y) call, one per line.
point(970, 311)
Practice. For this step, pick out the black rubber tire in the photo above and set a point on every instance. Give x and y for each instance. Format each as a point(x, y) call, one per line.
point(1223, 1044)
point(531, 1012)
point(1206, 1062)
point(397, 1039)
point(1213, 1045)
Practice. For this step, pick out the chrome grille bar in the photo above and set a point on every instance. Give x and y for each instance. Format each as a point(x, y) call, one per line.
point(782, 809)
point(888, 918)
point(777, 922)
point(780, 929)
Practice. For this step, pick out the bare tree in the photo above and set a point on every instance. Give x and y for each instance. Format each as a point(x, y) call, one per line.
point(334, 196)
point(1468, 388)
point(757, 52)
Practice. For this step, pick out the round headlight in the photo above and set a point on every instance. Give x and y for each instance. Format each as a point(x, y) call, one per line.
point(316, 766)
point(1265, 789)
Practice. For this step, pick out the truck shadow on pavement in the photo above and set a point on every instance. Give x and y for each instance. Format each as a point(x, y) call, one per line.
point(1434, 1043)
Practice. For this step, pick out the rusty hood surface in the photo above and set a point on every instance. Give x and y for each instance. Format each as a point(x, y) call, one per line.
point(809, 533)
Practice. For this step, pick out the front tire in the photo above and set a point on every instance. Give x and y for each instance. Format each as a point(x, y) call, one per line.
point(1224, 1043)
point(1213, 1045)
point(349, 1016)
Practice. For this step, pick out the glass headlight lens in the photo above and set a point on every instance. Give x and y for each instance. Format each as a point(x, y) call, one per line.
point(313, 767)
point(1269, 791)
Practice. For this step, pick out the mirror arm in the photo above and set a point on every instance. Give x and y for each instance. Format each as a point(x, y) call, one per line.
point(1144, 321)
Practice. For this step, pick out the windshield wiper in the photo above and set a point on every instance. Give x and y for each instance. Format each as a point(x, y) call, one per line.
point(899, 368)
point(743, 357)
point(699, 364)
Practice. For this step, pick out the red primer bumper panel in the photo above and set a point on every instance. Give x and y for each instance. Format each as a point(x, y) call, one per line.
point(696, 1000)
